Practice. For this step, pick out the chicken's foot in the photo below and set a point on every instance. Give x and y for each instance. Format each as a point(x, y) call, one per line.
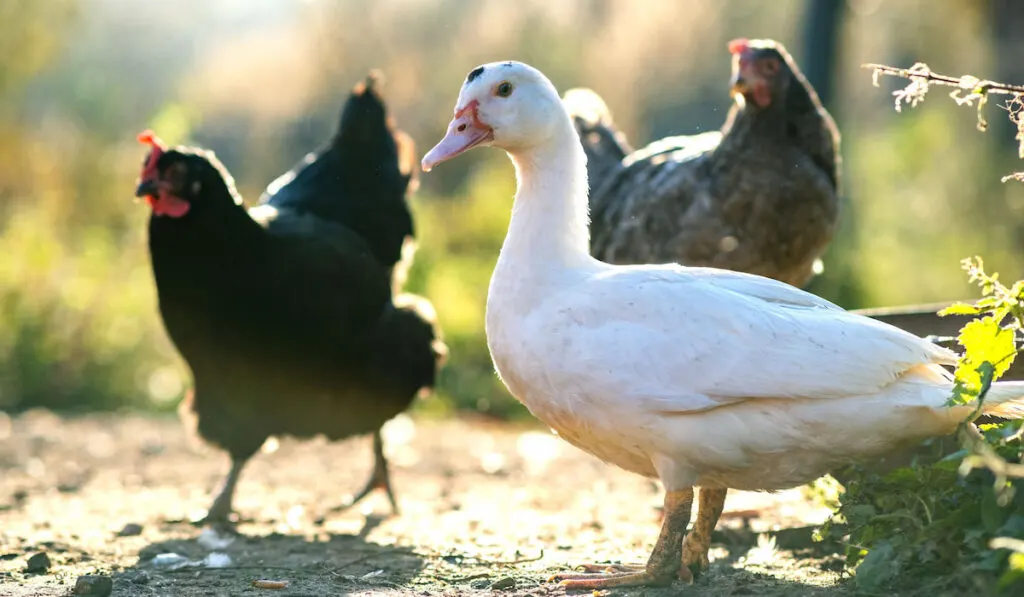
point(219, 514)
point(379, 478)
point(664, 563)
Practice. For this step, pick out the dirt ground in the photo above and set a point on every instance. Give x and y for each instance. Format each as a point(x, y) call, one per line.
point(486, 508)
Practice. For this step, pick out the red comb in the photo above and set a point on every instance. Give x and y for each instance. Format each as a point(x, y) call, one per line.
point(739, 45)
point(148, 137)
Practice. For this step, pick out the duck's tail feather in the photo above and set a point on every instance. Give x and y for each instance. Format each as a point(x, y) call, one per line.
point(1005, 399)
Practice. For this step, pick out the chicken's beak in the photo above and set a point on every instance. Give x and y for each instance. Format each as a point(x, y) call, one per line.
point(465, 132)
point(738, 83)
point(146, 188)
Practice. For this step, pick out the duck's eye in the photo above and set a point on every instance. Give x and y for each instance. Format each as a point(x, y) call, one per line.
point(504, 89)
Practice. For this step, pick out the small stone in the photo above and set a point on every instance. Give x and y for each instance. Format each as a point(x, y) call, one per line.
point(480, 583)
point(170, 561)
point(505, 582)
point(38, 563)
point(93, 585)
point(130, 530)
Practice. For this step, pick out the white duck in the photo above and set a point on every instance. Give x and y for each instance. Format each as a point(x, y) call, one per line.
point(696, 376)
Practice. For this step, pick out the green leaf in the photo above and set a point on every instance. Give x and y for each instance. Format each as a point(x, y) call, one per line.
point(955, 456)
point(860, 514)
point(877, 569)
point(992, 514)
point(960, 309)
point(1014, 571)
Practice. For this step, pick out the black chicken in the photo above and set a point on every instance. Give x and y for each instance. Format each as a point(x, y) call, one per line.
point(285, 317)
point(361, 179)
point(761, 196)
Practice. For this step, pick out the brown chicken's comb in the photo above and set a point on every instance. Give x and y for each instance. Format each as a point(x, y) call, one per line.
point(739, 45)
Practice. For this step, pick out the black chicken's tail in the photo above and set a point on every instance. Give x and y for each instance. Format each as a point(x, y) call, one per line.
point(604, 144)
point(409, 345)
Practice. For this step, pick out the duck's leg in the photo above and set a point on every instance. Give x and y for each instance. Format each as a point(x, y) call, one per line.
point(710, 504)
point(379, 478)
point(664, 562)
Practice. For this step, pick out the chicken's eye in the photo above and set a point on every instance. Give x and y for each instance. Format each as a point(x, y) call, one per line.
point(770, 66)
point(504, 89)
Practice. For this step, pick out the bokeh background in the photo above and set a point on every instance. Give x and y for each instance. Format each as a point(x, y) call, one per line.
point(261, 83)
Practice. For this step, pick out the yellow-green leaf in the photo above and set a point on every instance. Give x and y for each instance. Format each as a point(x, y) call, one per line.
point(984, 340)
point(960, 309)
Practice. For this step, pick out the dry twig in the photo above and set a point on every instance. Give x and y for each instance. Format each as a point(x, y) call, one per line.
point(479, 560)
point(968, 90)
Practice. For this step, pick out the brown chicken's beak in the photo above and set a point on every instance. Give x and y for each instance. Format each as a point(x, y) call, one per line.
point(146, 188)
point(465, 132)
point(738, 84)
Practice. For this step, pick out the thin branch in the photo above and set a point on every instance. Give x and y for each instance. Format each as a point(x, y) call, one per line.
point(457, 579)
point(482, 561)
point(983, 456)
point(968, 90)
point(921, 70)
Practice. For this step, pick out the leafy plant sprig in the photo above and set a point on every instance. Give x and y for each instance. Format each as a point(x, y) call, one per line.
point(952, 518)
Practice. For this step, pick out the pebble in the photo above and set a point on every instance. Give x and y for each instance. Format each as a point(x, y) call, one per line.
point(169, 560)
point(480, 583)
point(505, 582)
point(130, 530)
point(93, 585)
point(38, 562)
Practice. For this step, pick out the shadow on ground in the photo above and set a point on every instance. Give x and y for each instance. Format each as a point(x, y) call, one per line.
point(487, 509)
point(324, 564)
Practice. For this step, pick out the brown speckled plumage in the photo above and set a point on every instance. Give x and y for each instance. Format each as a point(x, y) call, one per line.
point(761, 196)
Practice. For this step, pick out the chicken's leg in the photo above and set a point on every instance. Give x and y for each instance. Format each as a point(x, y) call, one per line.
point(664, 562)
point(698, 541)
point(379, 478)
point(220, 512)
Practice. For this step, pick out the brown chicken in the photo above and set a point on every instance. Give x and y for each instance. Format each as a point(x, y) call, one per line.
point(760, 196)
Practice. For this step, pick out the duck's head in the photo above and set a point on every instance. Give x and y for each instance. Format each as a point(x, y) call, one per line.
point(509, 105)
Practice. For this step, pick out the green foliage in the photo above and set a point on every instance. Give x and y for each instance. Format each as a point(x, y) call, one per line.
point(989, 341)
point(949, 520)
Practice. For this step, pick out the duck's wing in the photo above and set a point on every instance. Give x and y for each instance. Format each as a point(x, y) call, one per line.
point(681, 340)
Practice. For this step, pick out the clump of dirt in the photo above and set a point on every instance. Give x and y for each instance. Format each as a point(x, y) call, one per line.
point(487, 508)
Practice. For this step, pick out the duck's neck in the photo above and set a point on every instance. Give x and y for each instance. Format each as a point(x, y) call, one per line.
point(550, 227)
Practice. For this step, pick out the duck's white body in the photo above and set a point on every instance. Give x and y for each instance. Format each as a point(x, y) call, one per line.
point(777, 395)
point(698, 376)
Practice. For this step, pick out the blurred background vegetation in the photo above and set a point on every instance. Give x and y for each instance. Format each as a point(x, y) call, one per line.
point(261, 83)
